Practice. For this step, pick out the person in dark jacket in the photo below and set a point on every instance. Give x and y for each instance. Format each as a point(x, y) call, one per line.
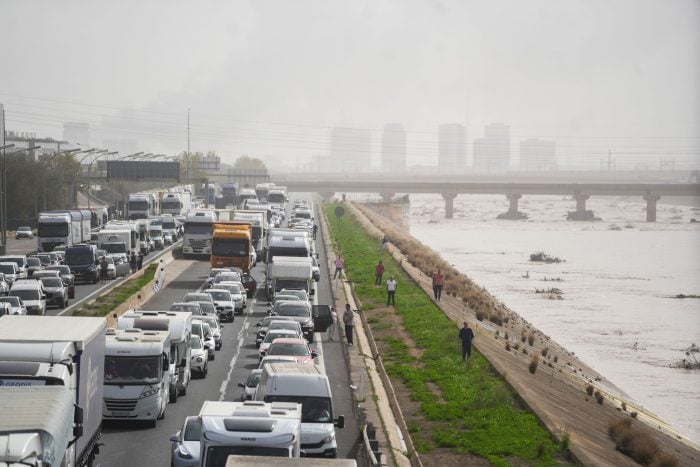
point(348, 322)
point(139, 261)
point(133, 262)
point(466, 335)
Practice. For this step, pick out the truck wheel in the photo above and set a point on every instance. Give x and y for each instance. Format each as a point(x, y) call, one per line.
point(173, 395)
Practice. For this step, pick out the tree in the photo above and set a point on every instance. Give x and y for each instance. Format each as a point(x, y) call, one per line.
point(249, 163)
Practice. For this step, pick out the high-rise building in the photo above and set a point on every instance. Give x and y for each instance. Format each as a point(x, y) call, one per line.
point(452, 147)
point(351, 150)
point(538, 154)
point(77, 133)
point(394, 148)
point(492, 151)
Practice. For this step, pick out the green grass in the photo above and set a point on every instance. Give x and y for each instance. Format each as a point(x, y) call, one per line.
point(476, 412)
point(104, 304)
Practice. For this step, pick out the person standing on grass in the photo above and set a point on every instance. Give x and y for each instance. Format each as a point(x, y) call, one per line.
point(378, 273)
point(438, 283)
point(333, 328)
point(348, 321)
point(339, 265)
point(390, 291)
point(466, 335)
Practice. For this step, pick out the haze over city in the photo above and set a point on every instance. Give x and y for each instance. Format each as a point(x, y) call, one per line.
point(601, 79)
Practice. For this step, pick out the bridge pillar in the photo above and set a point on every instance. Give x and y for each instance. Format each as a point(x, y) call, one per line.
point(449, 204)
point(512, 212)
point(386, 197)
point(581, 213)
point(651, 200)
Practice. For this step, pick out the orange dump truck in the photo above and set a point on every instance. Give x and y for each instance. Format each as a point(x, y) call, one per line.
point(232, 245)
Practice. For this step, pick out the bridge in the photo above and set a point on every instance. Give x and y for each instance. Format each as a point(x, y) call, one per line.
point(512, 187)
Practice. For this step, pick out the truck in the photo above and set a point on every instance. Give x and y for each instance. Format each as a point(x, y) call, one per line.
point(231, 245)
point(141, 205)
point(83, 262)
point(179, 325)
point(198, 233)
point(257, 220)
point(244, 194)
point(38, 427)
point(136, 375)
point(38, 352)
point(129, 226)
point(290, 272)
point(229, 193)
point(58, 228)
point(248, 428)
point(142, 228)
point(172, 203)
point(260, 461)
point(309, 386)
point(262, 190)
point(277, 195)
point(115, 242)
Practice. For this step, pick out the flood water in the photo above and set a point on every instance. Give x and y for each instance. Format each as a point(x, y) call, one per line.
point(617, 278)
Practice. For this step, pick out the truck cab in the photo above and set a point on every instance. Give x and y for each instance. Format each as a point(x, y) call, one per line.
point(83, 262)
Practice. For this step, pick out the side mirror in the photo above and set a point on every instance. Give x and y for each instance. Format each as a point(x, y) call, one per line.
point(258, 324)
point(77, 421)
point(314, 353)
point(241, 385)
point(174, 438)
point(340, 421)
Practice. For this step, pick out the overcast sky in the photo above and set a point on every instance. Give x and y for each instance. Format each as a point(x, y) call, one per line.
point(270, 78)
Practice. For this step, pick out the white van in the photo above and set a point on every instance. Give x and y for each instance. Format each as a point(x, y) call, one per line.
point(309, 386)
point(32, 294)
point(20, 261)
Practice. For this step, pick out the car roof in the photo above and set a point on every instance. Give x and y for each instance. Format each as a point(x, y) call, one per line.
point(290, 340)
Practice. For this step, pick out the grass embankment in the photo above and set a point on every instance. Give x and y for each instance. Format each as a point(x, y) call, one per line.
point(104, 304)
point(463, 407)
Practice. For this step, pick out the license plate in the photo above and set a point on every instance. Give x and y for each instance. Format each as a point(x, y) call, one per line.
point(120, 413)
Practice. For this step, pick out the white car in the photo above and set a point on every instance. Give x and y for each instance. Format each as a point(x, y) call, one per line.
point(224, 303)
point(215, 327)
point(238, 294)
point(16, 305)
point(202, 329)
point(185, 443)
point(199, 360)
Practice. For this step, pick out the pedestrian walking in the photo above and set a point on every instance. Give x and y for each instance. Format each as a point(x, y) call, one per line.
point(466, 335)
point(139, 261)
point(315, 230)
point(333, 328)
point(348, 321)
point(103, 268)
point(378, 273)
point(390, 291)
point(438, 282)
point(133, 264)
point(339, 266)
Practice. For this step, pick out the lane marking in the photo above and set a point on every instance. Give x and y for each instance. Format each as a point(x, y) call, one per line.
point(234, 359)
point(319, 348)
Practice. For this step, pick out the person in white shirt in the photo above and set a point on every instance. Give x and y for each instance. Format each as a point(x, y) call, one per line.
point(390, 291)
point(333, 328)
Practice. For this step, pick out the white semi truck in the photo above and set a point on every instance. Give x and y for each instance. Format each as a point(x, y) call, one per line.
point(67, 228)
point(250, 428)
point(67, 352)
point(198, 233)
point(179, 325)
point(136, 375)
point(38, 427)
point(176, 203)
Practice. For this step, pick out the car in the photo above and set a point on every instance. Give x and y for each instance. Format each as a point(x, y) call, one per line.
point(264, 326)
point(250, 284)
point(203, 330)
point(238, 294)
point(208, 308)
point(111, 267)
point(47, 259)
point(199, 361)
point(185, 443)
point(227, 276)
point(299, 311)
point(16, 303)
point(302, 294)
point(272, 335)
point(292, 347)
point(192, 307)
point(197, 297)
point(24, 232)
point(167, 238)
point(282, 298)
point(55, 292)
point(215, 327)
point(20, 261)
point(32, 294)
point(46, 273)
point(66, 276)
point(5, 309)
point(250, 384)
point(4, 286)
point(10, 271)
point(213, 273)
point(33, 265)
point(223, 301)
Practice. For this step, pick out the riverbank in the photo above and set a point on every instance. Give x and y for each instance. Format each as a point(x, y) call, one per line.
point(558, 390)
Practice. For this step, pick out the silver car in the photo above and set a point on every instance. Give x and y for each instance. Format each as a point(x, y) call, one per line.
point(199, 360)
point(185, 443)
point(16, 304)
point(251, 384)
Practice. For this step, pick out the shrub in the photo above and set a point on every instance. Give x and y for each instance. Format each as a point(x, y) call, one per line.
point(531, 339)
point(664, 460)
point(523, 338)
point(507, 346)
point(589, 390)
point(516, 346)
point(533, 364)
point(480, 315)
point(633, 414)
point(599, 397)
point(556, 358)
point(496, 318)
point(624, 407)
point(544, 351)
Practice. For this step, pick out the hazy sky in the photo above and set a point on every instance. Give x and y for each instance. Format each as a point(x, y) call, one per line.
point(270, 78)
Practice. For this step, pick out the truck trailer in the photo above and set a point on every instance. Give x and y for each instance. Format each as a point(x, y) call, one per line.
point(38, 352)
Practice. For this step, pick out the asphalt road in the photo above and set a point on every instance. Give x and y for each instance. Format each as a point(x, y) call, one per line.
point(132, 444)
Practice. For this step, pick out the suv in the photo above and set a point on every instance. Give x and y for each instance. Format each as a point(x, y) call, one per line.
point(224, 303)
point(56, 293)
point(300, 312)
point(32, 294)
point(10, 271)
point(16, 305)
point(20, 261)
point(33, 265)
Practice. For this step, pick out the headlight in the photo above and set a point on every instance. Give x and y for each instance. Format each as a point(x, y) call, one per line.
point(308, 322)
point(328, 439)
point(149, 392)
point(183, 454)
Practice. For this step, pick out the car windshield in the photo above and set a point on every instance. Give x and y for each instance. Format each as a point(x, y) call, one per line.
point(228, 277)
point(207, 307)
point(292, 309)
point(313, 409)
point(77, 258)
point(27, 294)
point(211, 321)
point(33, 262)
point(193, 431)
point(288, 348)
point(51, 281)
point(221, 295)
point(196, 343)
point(253, 379)
point(195, 298)
point(114, 247)
point(14, 301)
point(7, 269)
point(215, 272)
point(24, 229)
point(61, 269)
point(193, 308)
point(288, 325)
point(197, 229)
point(131, 369)
point(276, 334)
